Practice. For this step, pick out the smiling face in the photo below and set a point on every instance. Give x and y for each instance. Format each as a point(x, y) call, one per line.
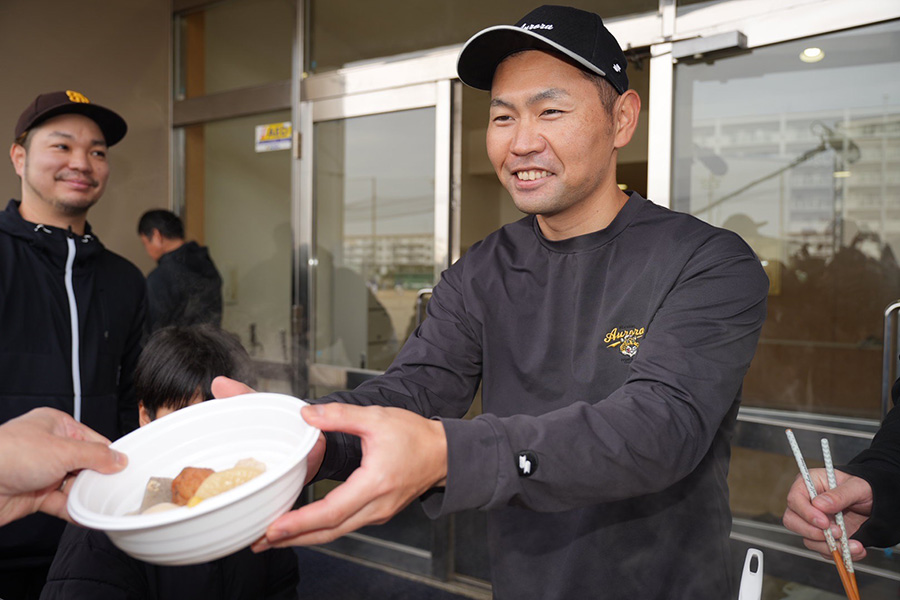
point(554, 145)
point(63, 169)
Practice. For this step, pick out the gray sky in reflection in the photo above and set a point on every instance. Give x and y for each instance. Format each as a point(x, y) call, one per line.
point(390, 157)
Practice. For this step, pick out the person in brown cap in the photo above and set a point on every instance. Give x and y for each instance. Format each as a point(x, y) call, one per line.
point(71, 312)
point(609, 337)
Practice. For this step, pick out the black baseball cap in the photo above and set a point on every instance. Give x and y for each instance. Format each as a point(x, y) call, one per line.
point(578, 34)
point(53, 104)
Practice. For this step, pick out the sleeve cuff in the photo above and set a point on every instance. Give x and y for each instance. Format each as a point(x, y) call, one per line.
point(343, 454)
point(472, 468)
point(882, 529)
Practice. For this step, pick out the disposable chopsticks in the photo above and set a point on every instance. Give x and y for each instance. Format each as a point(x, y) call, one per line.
point(839, 560)
point(839, 517)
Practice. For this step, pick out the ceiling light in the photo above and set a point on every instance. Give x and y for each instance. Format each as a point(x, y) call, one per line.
point(841, 174)
point(812, 55)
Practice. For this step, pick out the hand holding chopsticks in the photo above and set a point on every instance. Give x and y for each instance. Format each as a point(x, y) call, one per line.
point(808, 518)
point(839, 518)
point(842, 558)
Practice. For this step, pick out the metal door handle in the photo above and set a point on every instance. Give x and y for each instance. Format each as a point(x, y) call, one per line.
point(889, 366)
point(420, 304)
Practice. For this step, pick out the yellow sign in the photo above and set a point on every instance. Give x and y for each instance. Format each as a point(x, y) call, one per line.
point(273, 136)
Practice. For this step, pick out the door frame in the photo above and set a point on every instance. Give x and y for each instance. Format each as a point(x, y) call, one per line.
point(319, 104)
point(421, 82)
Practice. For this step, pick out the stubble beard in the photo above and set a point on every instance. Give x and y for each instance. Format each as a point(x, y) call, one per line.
point(77, 207)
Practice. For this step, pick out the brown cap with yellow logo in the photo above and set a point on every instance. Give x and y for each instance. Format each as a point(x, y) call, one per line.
point(53, 104)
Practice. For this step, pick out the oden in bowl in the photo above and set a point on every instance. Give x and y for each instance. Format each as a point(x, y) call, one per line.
point(214, 434)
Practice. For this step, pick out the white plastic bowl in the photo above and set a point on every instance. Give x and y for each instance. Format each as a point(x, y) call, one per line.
point(213, 434)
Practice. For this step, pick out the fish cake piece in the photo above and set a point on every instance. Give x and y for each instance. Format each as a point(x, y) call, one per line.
point(250, 463)
point(222, 481)
point(186, 484)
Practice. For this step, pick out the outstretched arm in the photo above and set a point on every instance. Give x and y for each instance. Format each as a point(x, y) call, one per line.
point(404, 455)
point(37, 451)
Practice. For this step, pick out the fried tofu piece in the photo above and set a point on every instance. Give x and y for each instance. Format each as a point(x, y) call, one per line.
point(186, 484)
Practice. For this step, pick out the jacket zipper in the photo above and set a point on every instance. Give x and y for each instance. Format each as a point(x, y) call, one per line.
point(73, 318)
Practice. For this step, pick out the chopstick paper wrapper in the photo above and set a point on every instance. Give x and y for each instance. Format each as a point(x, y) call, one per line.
point(829, 538)
point(839, 517)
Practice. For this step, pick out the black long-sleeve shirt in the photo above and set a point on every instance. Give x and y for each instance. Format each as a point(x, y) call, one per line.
point(612, 365)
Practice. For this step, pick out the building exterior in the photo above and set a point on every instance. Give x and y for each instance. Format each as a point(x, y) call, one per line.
point(334, 165)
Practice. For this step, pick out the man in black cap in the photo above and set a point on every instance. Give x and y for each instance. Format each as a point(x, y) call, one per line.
point(71, 312)
point(609, 335)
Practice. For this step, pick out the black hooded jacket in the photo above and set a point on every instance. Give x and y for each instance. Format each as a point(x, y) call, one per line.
point(43, 271)
point(879, 465)
point(89, 567)
point(185, 289)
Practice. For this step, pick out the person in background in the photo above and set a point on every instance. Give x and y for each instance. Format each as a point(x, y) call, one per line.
point(868, 493)
point(175, 371)
point(609, 335)
point(185, 288)
point(71, 311)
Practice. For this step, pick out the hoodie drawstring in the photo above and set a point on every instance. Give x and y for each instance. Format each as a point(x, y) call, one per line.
point(73, 317)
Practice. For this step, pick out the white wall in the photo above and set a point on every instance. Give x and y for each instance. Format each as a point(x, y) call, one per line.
point(116, 53)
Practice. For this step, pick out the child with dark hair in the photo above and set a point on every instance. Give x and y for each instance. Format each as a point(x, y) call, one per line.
point(175, 370)
point(178, 365)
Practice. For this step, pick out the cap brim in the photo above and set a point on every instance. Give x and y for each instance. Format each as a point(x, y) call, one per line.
point(111, 124)
point(486, 49)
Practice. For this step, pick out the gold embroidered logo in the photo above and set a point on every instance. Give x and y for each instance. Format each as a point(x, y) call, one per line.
point(627, 340)
point(76, 97)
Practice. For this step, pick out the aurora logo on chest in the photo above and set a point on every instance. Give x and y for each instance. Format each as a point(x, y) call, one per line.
point(627, 340)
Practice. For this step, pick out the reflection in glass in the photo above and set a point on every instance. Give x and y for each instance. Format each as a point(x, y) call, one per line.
point(374, 204)
point(246, 210)
point(802, 160)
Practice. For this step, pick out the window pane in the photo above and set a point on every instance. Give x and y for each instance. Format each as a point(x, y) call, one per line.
point(374, 233)
point(345, 31)
point(235, 44)
point(238, 201)
point(802, 160)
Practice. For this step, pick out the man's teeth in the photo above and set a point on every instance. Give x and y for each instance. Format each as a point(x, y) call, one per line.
point(532, 175)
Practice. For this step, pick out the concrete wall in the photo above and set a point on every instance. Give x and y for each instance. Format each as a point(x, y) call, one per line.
point(117, 53)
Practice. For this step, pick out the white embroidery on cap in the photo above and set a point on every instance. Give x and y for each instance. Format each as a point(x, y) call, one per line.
point(537, 26)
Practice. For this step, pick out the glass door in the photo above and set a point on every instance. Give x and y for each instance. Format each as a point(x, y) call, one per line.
point(796, 147)
point(377, 169)
point(246, 219)
point(374, 203)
